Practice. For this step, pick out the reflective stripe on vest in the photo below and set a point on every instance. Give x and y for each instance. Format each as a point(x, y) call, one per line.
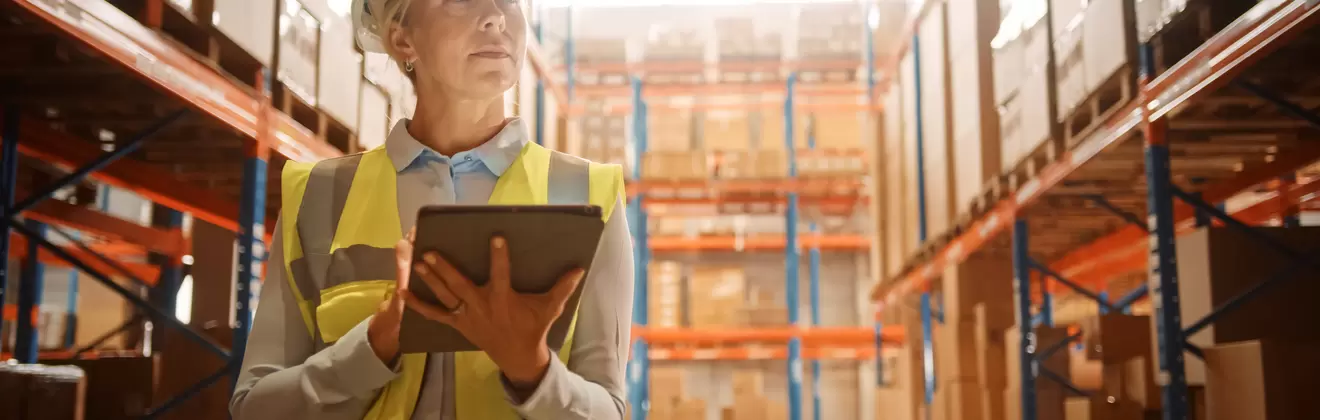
point(340, 258)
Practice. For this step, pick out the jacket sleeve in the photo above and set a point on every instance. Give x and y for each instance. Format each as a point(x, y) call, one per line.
point(283, 377)
point(592, 385)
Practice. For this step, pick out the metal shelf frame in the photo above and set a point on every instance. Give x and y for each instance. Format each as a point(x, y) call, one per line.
point(1260, 31)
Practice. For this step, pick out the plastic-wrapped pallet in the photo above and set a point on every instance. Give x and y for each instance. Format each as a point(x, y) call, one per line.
point(39, 392)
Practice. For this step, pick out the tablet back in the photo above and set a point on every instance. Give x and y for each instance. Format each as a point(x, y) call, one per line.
point(544, 243)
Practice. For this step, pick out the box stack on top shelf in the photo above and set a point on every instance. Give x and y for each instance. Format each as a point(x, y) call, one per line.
point(830, 32)
point(1095, 53)
point(975, 140)
point(603, 61)
point(1023, 85)
point(670, 153)
point(675, 44)
point(934, 117)
point(739, 46)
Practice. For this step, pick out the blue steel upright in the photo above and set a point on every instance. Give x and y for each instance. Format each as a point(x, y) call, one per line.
point(31, 283)
point(813, 270)
point(539, 113)
point(926, 327)
point(1163, 263)
point(251, 249)
point(640, 365)
point(8, 180)
point(791, 260)
point(1022, 299)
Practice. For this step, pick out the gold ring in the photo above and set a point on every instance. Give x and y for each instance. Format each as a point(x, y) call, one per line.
point(458, 309)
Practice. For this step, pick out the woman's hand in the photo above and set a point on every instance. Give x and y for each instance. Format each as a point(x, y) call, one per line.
point(383, 332)
point(510, 327)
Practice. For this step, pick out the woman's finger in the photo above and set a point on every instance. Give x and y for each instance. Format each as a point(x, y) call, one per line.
point(403, 262)
point(442, 292)
point(457, 282)
point(499, 265)
point(432, 312)
point(564, 287)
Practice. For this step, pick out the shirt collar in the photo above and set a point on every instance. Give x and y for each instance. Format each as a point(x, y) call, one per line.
point(497, 153)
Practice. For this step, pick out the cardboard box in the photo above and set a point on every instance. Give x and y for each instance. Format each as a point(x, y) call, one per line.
point(1133, 380)
point(955, 352)
point(979, 278)
point(758, 408)
point(716, 296)
point(726, 132)
point(1099, 408)
point(1116, 338)
point(957, 400)
point(1086, 374)
point(748, 383)
point(992, 403)
point(690, 409)
point(665, 291)
point(1261, 380)
point(675, 166)
point(976, 137)
point(991, 352)
point(1049, 404)
point(936, 121)
point(1217, 264)
point(667, 385)
point(898, 403)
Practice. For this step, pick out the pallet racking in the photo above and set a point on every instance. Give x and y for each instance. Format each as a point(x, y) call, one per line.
point(227, 138)
point(1076, 254)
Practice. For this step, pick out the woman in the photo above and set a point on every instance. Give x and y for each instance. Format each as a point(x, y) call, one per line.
point(325, 340)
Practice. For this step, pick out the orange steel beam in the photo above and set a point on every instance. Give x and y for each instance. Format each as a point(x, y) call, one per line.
point(55, 212)
point(763, 353)
point(757, 243)
point(1220, 59)
point(105, 29)
point(805, 186)
point(1132, 257)
point(149, 181)
point(662, 204)
point(694, 66)
point(816, 336)
point(700, 89)
point(148, 273)
point(626, 109)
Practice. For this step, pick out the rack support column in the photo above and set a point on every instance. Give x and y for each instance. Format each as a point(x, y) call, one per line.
point(1022, 300)
point(31, 283)
point(1164, 259)
point(8, 181)
point(640, 366)
point(792, 256)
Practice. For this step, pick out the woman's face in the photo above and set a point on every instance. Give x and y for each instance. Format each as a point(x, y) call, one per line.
point(472, 49)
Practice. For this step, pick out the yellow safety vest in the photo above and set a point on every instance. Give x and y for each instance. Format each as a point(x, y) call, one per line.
point(339, 255)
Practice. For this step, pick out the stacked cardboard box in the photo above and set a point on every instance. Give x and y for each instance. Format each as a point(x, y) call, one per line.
point(1023, 89)
point(668, 401)
point(37, 392)
point(603, 139)
point(992, 320)
point(715, 296)
point(668, 131)
point(749, 401)
point(738, 42)
point(753, 164)
point(975, 116)
point(827, 164)
point(675, 166)
point(1093, 41)
point(665, 288)
point(830, 31)
point(1121, 344)
point(976, 295)
point(1261, 379)
point(724, 131)
point(764, 309)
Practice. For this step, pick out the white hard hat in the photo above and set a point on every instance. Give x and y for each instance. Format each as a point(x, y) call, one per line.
point(364, 26)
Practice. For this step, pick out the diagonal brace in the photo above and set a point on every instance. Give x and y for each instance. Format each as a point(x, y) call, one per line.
point(1130, 298)
point(1244, 297)
point(1280, 102)
point(79, 174)
point(1194, 350)
point(1049, 374)
point(136, 300)
point(1253, 233)
point(136, 318)
point(1076, 288)
point(1127, 216)
point(99, 256)
point(1054, 348)
point(190, 392)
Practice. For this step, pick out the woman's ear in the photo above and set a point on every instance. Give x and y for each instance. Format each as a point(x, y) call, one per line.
point(401, 43)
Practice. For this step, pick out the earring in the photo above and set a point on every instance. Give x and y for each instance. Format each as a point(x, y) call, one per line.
point(408, 66)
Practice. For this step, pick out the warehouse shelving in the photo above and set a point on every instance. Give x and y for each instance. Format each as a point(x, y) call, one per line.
point(156, 88)
point(792, 344)
point(1066, 250)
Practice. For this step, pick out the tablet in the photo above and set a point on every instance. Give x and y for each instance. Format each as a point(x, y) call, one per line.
point(544, 243)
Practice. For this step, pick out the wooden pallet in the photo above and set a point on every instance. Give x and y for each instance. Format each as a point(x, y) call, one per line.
point(196, 36)
point(1117, 91)
point(827, 76)
point(321, 124)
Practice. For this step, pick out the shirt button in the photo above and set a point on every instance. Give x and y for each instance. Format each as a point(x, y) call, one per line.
point(469, 157)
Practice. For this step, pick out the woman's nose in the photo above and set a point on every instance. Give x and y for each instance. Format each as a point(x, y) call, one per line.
point(492, 16)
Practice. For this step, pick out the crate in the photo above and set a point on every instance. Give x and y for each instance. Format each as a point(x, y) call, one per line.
point(298, 51)
point(935, 121)
point(725, 131)
point(1096, 51)
point(976, 145)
